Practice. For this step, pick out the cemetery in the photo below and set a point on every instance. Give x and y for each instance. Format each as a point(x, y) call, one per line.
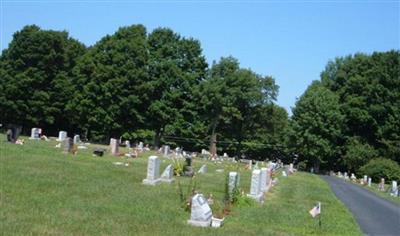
point(49, 190)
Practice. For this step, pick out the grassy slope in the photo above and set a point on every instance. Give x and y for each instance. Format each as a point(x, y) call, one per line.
point(385, 194)
point(46, 192)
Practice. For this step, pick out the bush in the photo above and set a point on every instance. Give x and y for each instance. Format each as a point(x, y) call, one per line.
point(381, 168)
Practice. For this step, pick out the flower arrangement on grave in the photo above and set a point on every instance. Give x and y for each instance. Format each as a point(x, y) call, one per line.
point(178, 167)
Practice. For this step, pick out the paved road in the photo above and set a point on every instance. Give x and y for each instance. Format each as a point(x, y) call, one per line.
point(375, 215)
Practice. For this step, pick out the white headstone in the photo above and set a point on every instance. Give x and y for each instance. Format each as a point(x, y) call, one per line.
point(153, 171)
point(255, 190)
point(77, 139)
point(291, 169)
point(264, 173)
point(284, 174)
point(166, 150)
point(168, 174)
point(369, 181)
point(61, 136)
point(35, 133)
point(233, 183)
point(365, 179)
point(114, 145)
point(394, 190)
point(140, 146)
point(128, 144)
point(203, 169)
point(200, 214)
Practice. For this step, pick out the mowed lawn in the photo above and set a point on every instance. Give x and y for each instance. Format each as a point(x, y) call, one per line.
point(46, 192)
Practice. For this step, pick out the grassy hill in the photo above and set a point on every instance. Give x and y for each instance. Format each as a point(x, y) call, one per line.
point(46, 192)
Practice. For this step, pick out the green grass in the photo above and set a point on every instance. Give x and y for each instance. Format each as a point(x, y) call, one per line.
point(46, 192)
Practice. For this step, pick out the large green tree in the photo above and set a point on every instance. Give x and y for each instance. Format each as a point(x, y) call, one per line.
point(110, 80)
point(36, 78)
point(315, 127)
point(176, 66)
point(368, 87)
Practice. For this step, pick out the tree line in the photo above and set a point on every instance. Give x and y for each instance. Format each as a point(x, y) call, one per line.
point(157, 87)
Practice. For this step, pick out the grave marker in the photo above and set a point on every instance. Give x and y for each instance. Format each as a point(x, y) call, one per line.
point(201, 213)
point(61, 136)
point(114, 145)
point(167, 175)
point(255, 187)
point(203, 169)
point(153, 171)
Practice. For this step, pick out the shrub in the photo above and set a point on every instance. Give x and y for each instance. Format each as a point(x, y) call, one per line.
point(381, 168)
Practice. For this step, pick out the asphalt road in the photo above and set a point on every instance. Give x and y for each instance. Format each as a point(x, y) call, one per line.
point(375, 215)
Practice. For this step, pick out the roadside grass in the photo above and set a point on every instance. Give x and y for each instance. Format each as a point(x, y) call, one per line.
point(385, 194)
point(46, 192)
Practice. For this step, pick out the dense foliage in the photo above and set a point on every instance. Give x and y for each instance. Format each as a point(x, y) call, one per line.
point(381, 168)
point(154, 87)
point(352, 115)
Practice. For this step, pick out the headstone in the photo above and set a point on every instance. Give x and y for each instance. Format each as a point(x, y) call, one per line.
point(369, 181)
point(346, 176)
point(168, 174)
point(67, 145)
point(381, 185)
point(61, 136)
point(13, 132)
point(353, 177)
point(284, 174)
point(200, 214)
point(140, 146)
point(291, 169)
point(77, 139)
point(394, 190)
point(263, 185)
point(233, 183)
point(35, 133)
point(114, 145)
point(255, 185)
point(203, 169)
point(365, 180)
point(153, 171)
point(188, 169)
point(166, 150)
point(128, 144)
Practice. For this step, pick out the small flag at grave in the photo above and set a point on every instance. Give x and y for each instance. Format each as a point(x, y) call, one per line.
point(316, 210)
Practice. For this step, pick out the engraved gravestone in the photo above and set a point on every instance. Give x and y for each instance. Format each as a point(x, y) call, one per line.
point(201, 213)
point(35, 133)
point(168, 174)
point(255, 190)
point(153, 171)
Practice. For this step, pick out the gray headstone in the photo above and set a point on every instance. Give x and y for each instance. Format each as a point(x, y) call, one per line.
point(394, 190)
point(61, 136)
point(369, 181)
point(255, 186)
point(153, 171)
point(168, 174)
point(35, 133)
point(203, 169)
point(67, 145)
point(114, 145)
point(263, 184)
point(233, 183)
point(200, 214)
point(77, 139)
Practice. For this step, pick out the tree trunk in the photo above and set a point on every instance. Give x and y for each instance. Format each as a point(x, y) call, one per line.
point(157, 138)
point(213, 139)
point(316, 166)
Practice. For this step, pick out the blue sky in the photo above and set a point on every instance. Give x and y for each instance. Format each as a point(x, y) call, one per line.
point(289, 40)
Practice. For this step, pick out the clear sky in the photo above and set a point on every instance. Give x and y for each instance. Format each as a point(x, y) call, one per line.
point(289, 40)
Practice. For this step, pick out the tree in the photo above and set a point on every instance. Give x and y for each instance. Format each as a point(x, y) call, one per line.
point(36, 78)
point(368, 87)
point(176, 67)
point(110, 78)
point(315, 127)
